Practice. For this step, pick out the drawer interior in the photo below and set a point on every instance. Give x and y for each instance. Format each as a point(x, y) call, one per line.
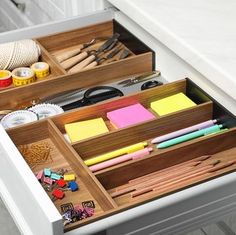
point(141, 60)
point(167, 170)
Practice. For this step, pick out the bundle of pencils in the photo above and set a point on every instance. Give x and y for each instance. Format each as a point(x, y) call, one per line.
point(175, 176)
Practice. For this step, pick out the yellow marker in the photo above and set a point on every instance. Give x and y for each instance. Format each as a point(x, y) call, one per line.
point(69, 177)
point(116, 153)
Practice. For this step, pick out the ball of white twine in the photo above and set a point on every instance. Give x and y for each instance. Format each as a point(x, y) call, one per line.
point(18, 54)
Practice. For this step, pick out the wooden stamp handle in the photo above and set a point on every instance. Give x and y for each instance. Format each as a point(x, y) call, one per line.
point(82, 64)
point(68, 54)
point(74, 60)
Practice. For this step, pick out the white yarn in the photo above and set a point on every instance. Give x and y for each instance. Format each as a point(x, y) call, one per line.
point(18, 54)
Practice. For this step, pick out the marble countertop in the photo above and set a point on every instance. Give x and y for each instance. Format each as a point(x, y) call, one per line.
point(201, 32)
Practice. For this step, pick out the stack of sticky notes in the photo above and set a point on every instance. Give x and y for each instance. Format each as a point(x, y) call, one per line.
point(129, 115)
point(85, 129)
point(172, 104)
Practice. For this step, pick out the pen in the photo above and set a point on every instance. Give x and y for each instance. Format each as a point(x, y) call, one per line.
point(130, 156)
point(193, 135)
point(116, 153)
point(184, 131)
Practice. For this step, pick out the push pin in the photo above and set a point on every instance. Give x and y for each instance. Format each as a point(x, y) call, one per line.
point(69, 177)
point(57, 194)
point(47, 172)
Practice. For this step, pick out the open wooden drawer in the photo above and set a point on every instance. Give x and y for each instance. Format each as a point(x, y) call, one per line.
point(173, 211)
point(102, 186)
point(140, 59)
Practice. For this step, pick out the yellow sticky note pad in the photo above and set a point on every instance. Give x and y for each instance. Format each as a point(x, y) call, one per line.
point(85, 129)
point(172, 104)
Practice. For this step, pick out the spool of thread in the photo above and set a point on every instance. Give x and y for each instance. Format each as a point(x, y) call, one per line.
point(23, 76)
point(18, 54)
point(5, 78)
point(41, 70)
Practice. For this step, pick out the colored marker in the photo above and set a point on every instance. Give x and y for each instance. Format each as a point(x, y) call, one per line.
point(131, 156)
point(184, 131)
point(190, 136)
point(116, 153)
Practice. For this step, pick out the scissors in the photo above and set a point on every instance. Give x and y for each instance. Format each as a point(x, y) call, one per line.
point(139, 79)
point(93, 96)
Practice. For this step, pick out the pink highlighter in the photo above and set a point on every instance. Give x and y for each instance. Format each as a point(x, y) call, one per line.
point(131, 156)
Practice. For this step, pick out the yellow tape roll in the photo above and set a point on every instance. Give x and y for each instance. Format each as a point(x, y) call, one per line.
point(23, 76)
point(41, 69)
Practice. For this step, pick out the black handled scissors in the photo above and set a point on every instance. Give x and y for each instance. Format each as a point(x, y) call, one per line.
point(93, 96)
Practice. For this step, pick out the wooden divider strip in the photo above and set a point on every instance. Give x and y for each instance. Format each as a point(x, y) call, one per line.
point(92, 77)
point(100, 110)
point(134, 134)
point(168, 157)
point(76, 163)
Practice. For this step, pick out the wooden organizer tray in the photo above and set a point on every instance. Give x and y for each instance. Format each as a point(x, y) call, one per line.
point(100, 186)
point(64, 156)
point(140, 61)
point(145, 98)
point(55, 71)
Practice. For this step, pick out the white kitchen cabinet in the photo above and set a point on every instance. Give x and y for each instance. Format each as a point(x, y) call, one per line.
point(177, 213)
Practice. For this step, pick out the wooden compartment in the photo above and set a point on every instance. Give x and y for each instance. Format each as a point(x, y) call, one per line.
point(103, 186)
point(63, 156)
point(55, 71)
point(140, 61)
point(202, 110)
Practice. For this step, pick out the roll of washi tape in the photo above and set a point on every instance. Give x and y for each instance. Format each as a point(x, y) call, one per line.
point(46, 110)
point(23, 76)
point(5, 78)
point(17, 118)
point(41, 69)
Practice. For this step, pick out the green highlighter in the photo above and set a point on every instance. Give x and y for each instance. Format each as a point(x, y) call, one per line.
point(190, 136)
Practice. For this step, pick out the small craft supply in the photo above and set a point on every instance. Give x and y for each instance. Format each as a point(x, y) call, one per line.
point(89, 204)
point(57, 194)
point(69, 177)
point(18, 54)
point(61, 183)
point(55, 176)
point(5, 78)
point(73, 186)
point(17, 118)
point(127, 157)
point(47, 180)
point(85, 129)
point(40, 176)
point(67, 206)
point(36, 154)
point(129, 115)
point(116, 153)
point(47, 172)
point(23, 76)
point(46, 110)
point(41, 69)
point(172, 104)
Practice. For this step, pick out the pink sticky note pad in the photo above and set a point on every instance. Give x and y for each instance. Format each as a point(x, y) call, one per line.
point(129, 115)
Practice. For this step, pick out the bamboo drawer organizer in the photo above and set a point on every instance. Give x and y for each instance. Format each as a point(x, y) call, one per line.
point(139, 61)
point(101, 186)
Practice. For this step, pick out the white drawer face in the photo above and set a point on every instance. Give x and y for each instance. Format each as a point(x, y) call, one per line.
point(27, 197)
